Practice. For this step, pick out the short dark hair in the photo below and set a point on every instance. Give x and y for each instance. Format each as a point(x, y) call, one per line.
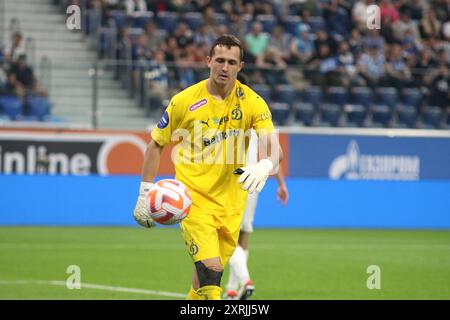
point(229, 41)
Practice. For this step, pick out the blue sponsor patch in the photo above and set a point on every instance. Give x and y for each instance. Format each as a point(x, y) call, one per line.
point(164, 121)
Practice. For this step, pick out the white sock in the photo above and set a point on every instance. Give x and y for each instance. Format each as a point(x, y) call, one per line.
point(233, 281)
point(239, 265)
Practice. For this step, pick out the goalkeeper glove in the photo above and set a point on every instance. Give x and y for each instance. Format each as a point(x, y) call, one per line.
point(254, 176)
point(141, 214)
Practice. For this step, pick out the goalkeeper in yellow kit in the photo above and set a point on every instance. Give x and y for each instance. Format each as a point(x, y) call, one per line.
point(210, 124)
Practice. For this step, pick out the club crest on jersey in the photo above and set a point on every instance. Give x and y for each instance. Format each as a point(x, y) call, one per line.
point(240, 93)
point(164, 121)
point(193, 248)
point(236, 114)
point(198, 104)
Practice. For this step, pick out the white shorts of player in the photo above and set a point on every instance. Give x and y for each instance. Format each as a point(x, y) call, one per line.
point(249, 213)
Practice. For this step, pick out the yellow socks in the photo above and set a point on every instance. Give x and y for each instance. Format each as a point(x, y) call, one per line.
point(193, 295)
point(210, 292)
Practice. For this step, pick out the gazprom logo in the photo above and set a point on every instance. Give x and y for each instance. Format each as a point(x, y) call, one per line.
point(356, 166)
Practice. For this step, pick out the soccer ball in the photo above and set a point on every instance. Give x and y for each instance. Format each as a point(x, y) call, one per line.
point(168, 201)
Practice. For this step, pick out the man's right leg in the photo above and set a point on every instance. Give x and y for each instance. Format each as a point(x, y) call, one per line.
point(209, 274)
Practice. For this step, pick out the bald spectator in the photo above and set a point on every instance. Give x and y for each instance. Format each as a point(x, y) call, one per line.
point(258, 42)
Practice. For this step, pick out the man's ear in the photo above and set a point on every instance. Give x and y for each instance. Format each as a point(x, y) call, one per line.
point(208, 61)
point(241, 65)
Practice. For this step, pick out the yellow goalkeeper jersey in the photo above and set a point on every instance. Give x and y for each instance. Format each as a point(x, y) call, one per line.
point(211, 139)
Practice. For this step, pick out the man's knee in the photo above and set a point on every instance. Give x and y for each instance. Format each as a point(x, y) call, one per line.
point(210, 274)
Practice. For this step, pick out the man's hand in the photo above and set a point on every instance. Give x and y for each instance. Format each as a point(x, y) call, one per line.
point(141, 214)
point(282, 194)
point(254, 177)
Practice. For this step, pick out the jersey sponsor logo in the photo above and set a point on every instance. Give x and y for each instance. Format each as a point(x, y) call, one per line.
point(69, 153)
point(164, 121)
point(357, 166)
point(236, 114)
point(240, 93)
point(198, 104)
point(219, 121)
point(220, 137)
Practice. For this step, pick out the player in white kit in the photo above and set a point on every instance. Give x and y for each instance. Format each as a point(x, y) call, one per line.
point(240, 286)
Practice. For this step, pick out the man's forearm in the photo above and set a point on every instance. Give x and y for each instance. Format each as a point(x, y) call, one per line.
point(152, 158)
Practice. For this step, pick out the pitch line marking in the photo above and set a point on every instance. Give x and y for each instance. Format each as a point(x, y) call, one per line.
point(96, 286)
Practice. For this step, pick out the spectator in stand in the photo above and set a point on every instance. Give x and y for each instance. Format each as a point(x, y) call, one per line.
point(440, 86)
point(430, 26)
point(422, 67)
point(346, 66)
point(258, 42)
point(386, 30)
point(321, 38)
point(371, 66)
point(373, 38)
point(133, 7)
point(279, 46)
point(158, 81)
point(186, 76)
point(337, 18)
point(355, 43)
point(183, 35)
point(302, 47)
point(407, 24)
point(16, 48)
point(153, 39)
point(398, 73)
point(388, 9)
point(238, 25)
point(22, 78)
point(200, 36)
point(171, 49)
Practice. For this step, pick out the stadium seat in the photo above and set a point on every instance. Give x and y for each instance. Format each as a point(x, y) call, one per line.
point(337, 95)
point(381, 115)
point(193, 19)
point(280, 113)
point(286, 93)
point(268, 21)
point(39, 107)
point(313, 94)
point(407, 117)
point(291, 23)
point(363, 96)
point(304, 113)
point(264, 91)
point(432, 118)
point(168, 20)
point(355, 114)
point(387, 96)
point(412, 96)
point(331, 114)
point(140, 19)
point(11, 106)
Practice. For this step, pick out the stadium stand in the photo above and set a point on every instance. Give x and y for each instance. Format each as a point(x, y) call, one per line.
point(339, 61)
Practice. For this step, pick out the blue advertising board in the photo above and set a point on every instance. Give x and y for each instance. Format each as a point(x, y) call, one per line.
point(351, 157)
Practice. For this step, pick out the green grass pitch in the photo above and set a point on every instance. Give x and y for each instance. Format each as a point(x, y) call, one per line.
point(288, 264)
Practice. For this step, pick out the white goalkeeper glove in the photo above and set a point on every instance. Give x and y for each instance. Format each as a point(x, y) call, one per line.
point(254, 176)
point(141, 214)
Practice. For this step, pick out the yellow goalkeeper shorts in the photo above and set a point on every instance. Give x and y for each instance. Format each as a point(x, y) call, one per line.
point(208, 235)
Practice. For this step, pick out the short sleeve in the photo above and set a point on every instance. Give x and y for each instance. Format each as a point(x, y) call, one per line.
point(168, 123)
point(261, 116)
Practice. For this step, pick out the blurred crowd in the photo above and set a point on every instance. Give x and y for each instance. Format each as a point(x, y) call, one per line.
point(298, 42)
point(17, 77)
